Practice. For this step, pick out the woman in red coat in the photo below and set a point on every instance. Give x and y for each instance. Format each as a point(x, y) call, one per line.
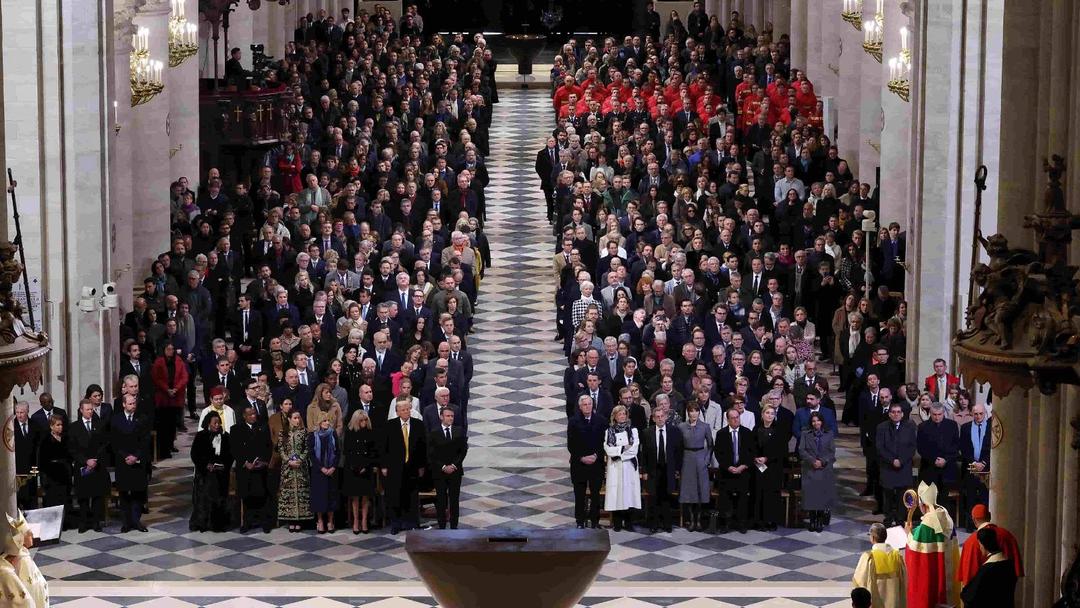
point(289, 166)
point(170, 375)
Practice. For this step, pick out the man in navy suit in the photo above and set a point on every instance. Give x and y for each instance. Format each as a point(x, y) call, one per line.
point(300, 394)
point(813, 404)
point(734, 455)
point(40, 419)
point(323, 318)
point(974, 461)
point(938, 441)
point(661, 461)
point(601, 398)
point(592, 365)
point(404, 457)
point(279, 309)
point(26, 442)
point(417, 308)
point(386, 360)
point(585, 441)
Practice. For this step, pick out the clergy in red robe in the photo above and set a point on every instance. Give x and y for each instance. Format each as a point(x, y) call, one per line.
point(972, 558)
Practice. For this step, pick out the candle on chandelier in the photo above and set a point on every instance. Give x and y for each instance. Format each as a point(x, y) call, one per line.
point(868, 29)
point(892, 68)
point(880, 7)
point(903, 39)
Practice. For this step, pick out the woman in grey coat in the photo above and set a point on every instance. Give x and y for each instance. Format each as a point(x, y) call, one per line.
point(694, 494)
point(817, 452)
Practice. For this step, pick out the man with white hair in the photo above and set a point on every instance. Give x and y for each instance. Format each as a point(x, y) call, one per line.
point(460, 248)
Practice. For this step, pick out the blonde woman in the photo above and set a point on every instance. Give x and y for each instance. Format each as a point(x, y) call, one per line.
point(323, 405)
point(361, 454)
point(621, 445)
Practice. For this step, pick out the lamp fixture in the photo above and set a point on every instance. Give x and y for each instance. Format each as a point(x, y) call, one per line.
point(852, 13)
point(183, 35)
point(146, 73)
point(900, 69)
point(873, 33)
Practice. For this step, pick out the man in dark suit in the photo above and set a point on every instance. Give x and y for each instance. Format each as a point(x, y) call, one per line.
point(300, 394)
point(416, 309)
point(661, 461)
point(601, 399)
point(974, 461)
point(432, 412)
point(279, 308)
point(387, 361)
point(896, 441)
point(404, 457)
point(734, 453)
point(247, 329)
point(459, 355)
point(546, 160)
point(446, 451)
point(251, 448)
point(873, 407)
point(89, 446)
point(584, 440)
point(224, 376)
point(251, 399)
point(40, 419)
point(592, 365)
point(26, 442)
point(133, 364)
point(129, 435)
point(938, 441)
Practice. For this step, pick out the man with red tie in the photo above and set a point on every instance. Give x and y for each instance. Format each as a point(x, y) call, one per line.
point(938, 383)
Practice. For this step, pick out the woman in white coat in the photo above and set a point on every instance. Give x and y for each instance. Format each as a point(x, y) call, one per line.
point(623, 486)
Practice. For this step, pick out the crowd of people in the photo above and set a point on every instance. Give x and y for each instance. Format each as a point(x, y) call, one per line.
point(311, 320)
point(712, 272)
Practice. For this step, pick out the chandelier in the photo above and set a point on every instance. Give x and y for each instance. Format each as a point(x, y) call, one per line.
point(146, 73)
point(852, 13)
point(900, 69)
point(183, 35)
point(873, 33)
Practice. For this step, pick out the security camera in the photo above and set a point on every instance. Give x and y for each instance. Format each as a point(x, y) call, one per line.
point(868, 224)
point(87, 302)
point(109, 299)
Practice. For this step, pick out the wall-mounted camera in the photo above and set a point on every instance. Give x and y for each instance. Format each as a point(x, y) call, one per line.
point(87, 299)
point(109, 298)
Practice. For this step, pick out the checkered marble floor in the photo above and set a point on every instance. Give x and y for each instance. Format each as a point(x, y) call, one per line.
point(516, 474)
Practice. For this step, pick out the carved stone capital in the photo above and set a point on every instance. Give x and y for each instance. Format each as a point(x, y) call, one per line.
point(124, 12)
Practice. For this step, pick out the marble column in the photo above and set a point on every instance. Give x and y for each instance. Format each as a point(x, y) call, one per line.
point(121, 177)
point(798, 31)
point(8, 491)
point(870, 118)
point(781, 18)
point(814, 16)
point(150, 142)
point(56, 96)
point(849, 96)
point(827, 83)
point(183, 117)
point(896, 130)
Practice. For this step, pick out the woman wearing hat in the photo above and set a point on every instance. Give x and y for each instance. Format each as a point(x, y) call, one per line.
point(217, 405)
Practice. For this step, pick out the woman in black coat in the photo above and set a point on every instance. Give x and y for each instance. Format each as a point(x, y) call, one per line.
point(212, 458)
point(569, 387)
point(770, 450)
point(54, 463)
point(361, 462)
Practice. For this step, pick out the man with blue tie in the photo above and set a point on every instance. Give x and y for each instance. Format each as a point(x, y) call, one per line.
point(974, 461)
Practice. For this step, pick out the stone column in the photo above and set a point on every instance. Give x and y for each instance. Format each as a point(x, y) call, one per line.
point(781, 18)
point(896, 132)
point(798, 33)
point(183, 117)
point(150, 142)
point(280, 28)
point(849, 95)
point(814, 16)
point(121, 177)
point(827, 83)
point(8, 491)
point(869, 118)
